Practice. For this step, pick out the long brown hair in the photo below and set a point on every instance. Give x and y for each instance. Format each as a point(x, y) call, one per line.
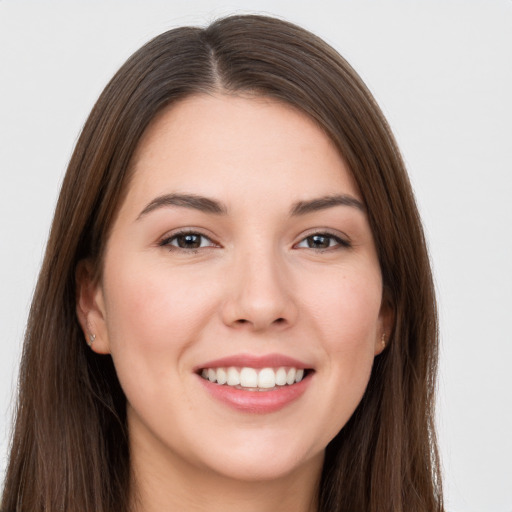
point(70, 442)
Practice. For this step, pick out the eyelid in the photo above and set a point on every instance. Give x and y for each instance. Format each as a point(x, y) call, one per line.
point(165, 240)
point(343, 240)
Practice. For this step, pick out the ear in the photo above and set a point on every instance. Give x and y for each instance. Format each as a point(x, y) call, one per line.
point(90, 308)
point(385, 325)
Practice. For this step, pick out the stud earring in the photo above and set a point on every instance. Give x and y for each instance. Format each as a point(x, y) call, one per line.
point(383, 340)
point(92, 337)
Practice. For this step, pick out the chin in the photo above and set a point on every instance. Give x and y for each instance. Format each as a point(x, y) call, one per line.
point(254, 461)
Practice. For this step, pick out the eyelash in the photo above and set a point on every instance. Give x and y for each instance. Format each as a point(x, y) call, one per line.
point(339, 243)
point(167, 241)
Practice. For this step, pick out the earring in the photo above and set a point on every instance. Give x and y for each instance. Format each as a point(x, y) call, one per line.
point(383, 340)
point(92, 337)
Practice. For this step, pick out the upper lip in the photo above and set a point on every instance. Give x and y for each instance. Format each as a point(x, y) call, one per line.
point(253, 361)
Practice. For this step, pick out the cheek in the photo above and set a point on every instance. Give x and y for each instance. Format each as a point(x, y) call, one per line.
point(153, 306)
point(345, 319)
point(346, 309)
point(153, 316)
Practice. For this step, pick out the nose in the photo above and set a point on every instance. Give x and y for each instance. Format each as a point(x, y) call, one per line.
point(259, 293)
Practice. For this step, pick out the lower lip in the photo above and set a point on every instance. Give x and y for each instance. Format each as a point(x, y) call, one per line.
point(257, 402)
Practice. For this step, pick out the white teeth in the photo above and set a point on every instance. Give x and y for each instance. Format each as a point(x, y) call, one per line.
point(249, 378)
point(281, 377)
point(290, 376)
point(266, 378)
point(222, 376)
point(233, 377)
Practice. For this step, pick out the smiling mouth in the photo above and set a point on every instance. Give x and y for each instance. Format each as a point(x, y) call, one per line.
point(254, 379)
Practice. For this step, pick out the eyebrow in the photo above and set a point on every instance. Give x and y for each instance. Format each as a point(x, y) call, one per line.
point(192, 201)
point(207, 205)
point(322, 203)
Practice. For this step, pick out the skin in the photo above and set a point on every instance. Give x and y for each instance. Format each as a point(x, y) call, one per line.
point(255, 286)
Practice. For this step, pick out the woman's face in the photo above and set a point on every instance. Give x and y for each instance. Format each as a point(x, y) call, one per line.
point(240, 258)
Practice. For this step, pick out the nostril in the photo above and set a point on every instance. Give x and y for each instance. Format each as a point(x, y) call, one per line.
point(258, 325)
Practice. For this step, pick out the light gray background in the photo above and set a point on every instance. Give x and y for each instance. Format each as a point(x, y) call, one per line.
point(442, 72)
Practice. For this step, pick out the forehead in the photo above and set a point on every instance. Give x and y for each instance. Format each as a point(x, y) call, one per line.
point(235, 147)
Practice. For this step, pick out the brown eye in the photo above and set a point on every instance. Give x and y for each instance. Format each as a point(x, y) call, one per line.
point(187, 241)
point(319, 241)
point(323, 241)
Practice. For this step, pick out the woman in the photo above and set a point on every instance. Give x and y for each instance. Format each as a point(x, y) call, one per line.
point(237, 242)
